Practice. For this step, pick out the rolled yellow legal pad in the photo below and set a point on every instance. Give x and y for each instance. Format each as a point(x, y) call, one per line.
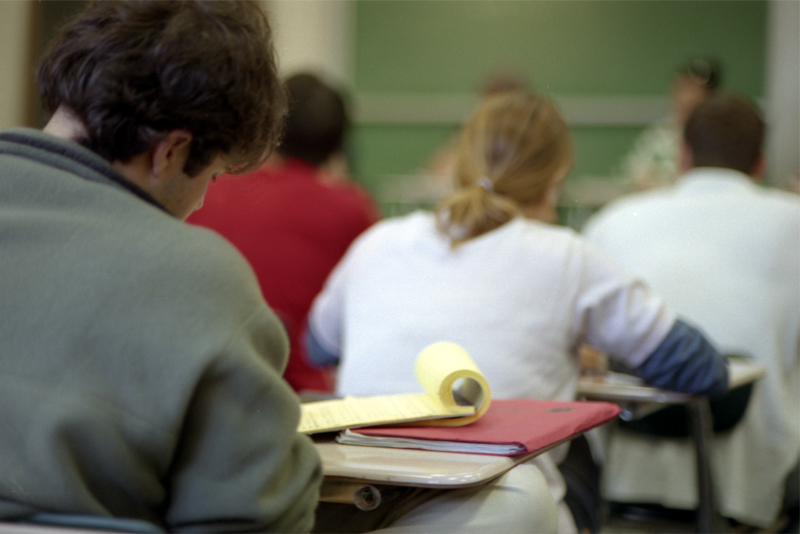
point(456, 394)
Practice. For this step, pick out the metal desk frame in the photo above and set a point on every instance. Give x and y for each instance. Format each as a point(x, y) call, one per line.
point(636, 400)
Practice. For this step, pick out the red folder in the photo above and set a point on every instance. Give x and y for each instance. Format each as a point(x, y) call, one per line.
point(531, 424)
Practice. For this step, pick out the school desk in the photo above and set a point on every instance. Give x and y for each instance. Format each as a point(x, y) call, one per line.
point(637, 399)
point(515, 430)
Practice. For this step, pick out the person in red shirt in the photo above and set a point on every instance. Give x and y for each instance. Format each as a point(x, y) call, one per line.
point(294, 218)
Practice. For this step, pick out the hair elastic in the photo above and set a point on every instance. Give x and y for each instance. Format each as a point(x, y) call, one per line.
point(485, 183)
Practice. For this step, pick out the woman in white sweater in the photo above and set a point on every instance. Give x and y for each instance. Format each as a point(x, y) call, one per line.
point(488, 270)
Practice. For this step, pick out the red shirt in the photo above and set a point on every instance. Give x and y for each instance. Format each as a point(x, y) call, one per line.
point(293, 228)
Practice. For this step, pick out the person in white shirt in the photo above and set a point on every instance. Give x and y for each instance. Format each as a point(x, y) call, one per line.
point(488, 272)
point(725, 253)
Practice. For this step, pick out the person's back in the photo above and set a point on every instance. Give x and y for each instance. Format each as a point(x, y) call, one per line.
point(487, 272)
point(293, 220)
point(725, 253)
point(98, 365)
point(516, 299)
point(141, 368)
point(718, 248)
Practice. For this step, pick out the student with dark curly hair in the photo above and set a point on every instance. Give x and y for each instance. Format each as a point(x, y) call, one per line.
point(140, 375)
point(131, 73)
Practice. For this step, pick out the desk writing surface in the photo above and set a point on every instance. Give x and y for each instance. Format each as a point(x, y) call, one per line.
point(413, 467)
point(535, 425)
point(621, 387)
point(744, 372)
point(637, 399)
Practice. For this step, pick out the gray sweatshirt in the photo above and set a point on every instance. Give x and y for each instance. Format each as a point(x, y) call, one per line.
point(140, 369)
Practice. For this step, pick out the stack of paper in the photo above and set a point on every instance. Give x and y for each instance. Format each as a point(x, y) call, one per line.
point(457, 394)
point(509, 427)
point(456, 414)
point(349, 437)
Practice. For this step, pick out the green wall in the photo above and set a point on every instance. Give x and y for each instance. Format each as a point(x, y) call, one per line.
point(567, 48)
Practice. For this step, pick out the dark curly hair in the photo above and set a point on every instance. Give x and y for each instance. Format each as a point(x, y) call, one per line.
point(132, 71)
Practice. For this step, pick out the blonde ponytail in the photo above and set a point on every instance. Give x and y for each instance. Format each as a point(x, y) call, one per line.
point(471, 211)
point(510, 151)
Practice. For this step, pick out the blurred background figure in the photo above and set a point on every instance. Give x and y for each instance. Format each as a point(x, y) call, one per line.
point(724, 252)
point(294, 218)
point(653, 160)
point(486, 271)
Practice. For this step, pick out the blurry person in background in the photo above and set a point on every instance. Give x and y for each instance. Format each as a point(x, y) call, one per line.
point(725, 253)
point(653, 160)
point(294, 218)
point(488, 272)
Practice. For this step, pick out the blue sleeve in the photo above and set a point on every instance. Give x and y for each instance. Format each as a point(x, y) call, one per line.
point(319, 356)
point(685, 361)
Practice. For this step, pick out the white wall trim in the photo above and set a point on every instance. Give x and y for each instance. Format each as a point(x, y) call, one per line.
point(783, 94)
point(452, 109)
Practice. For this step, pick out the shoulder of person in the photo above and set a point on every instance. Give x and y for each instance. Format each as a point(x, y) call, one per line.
point(394, 232)
point(626, 206)
point(209, 251)
point(556, 241)
point(787, 200)
point(193, 264)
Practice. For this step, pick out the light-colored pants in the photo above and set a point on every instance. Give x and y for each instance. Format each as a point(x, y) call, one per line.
point(522, 500)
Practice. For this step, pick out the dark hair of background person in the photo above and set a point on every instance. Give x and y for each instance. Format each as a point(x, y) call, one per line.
point(725, 131)
point(133, 71)
point(704, 72)
point(317, 120)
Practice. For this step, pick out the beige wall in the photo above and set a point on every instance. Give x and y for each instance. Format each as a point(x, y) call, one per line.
point(314, 35)
point(783, 95)
point(16, 76)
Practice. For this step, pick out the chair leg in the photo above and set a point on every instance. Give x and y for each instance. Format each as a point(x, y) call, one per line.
point(708, 519)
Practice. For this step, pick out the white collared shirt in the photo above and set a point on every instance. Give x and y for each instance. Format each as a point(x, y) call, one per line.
point(724, 253)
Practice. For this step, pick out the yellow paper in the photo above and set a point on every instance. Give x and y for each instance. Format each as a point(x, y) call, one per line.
point(438, 368)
